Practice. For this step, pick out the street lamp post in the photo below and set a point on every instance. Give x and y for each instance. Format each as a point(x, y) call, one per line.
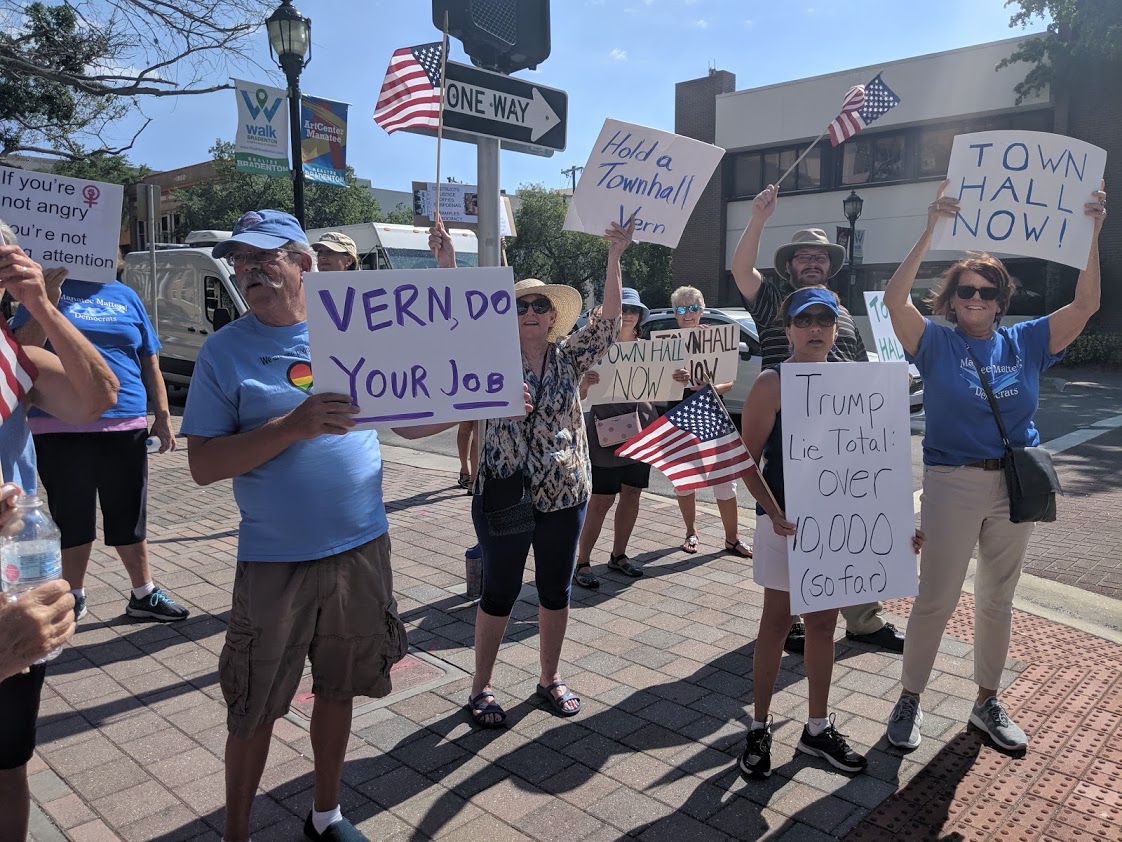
point(851, 207)
point(290, 42)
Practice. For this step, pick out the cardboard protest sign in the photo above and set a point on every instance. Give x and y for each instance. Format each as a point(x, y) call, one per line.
point(261, 141)
point(459, 206)
point(847, 477)
point(888, 346)
point(1022, 193)
point(638, 371)
point(654, 175)
point(712, 352)
point(417, 346)
point(61, 221)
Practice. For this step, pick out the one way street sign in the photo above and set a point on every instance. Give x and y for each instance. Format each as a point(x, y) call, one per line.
point(479, 102)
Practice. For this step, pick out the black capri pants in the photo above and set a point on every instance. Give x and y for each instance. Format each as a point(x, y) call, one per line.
point(19, 708)
point(78, 469)
point(554, 539)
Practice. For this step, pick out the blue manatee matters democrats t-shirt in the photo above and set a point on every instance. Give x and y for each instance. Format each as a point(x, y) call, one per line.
point(960, 425)
point(318, 497)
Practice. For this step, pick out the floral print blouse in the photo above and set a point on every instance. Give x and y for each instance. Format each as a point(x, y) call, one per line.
point(551, 445)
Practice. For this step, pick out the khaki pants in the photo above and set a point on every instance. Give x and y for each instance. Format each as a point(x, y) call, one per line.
point(960, 509)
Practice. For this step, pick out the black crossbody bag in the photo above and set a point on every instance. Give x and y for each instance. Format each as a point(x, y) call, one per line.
point(1029, 473)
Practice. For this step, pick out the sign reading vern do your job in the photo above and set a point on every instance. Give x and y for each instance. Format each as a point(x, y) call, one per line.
point(1022, 193)
point(848, 483)
point(417, 346)
point(653, 175)
point(61, 221)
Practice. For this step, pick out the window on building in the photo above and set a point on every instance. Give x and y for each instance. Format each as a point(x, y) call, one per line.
point(935, 150)
point(141, 234)
point(872, 159)
point(746, 177)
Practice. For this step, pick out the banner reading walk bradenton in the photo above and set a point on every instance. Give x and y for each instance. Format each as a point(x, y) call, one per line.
point(261, 142)
point(323, 140)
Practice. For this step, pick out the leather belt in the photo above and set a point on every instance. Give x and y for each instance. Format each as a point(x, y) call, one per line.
point(986, 464)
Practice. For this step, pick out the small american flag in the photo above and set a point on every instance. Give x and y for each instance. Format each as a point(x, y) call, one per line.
point(695, 444)
point(863, 105)
point(410, 96)
point(17, 373)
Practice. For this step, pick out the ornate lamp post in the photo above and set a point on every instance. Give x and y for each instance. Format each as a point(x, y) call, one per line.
point(852, 206)
point(290, 44)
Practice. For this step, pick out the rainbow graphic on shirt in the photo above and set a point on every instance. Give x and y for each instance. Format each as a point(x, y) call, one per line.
point(300, 376)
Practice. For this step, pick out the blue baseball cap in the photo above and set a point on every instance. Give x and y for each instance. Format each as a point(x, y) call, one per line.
point(631, 299)
point(809, 296)
point(263, 229)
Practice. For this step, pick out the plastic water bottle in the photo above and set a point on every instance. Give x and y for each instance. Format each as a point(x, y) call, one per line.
point(30, 551)
point(152, 444)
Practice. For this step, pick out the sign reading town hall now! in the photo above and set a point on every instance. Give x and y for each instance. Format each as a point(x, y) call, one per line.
point(417, 346)
point(1022, 193)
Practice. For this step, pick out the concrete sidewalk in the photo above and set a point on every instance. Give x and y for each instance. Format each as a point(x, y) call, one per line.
point(132, 725)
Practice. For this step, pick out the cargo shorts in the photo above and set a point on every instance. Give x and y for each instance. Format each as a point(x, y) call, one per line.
point(338, 612)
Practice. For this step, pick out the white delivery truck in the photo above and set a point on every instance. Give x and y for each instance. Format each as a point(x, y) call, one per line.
point(382, 245)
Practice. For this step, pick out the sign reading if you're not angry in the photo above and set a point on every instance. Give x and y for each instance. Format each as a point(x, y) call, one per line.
point(417, 346)
point(847, 477)
point(1022, 193)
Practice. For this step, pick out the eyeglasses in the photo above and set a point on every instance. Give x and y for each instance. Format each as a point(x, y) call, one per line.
point(256, 258)
point(632, 310)
point(966, 292)
point(539, 305)
point(682, 309)
point(812, 257)
point(816, 319)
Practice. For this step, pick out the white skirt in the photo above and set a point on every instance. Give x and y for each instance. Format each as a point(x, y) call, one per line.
point(769, 557)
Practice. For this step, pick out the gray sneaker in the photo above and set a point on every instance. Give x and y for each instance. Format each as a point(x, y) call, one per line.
point(904, 722)
point(991, 717)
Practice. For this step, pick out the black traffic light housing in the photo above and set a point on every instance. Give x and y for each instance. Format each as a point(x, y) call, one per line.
point(502, 35)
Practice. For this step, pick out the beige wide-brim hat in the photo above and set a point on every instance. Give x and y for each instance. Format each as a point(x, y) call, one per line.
point(565, 299)
point(337, 242)
point(809, 237)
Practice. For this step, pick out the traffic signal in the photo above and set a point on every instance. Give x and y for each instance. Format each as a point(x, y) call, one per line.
point(502, 35)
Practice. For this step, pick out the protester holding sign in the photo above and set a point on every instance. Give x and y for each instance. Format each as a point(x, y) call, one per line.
point(809, 259)
point(965, 502)
point(689, 307)
point(609, 425)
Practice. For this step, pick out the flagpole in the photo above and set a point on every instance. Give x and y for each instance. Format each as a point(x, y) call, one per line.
point(754, 467)
point(440, 121)
point(799, 161)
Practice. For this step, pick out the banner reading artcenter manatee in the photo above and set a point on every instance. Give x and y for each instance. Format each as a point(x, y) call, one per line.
point(261, 142)
point(323, 140)
point(62, 221)
point(847, 476)
point(417, 346)
point(1022, 193)
point(654, 175)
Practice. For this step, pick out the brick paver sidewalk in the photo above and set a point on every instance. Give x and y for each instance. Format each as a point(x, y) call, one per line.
point(132, 726)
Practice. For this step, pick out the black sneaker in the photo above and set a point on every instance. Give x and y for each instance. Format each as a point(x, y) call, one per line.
point(156, 606)
point(832, 747)
point(796, 639)
point(756, 760)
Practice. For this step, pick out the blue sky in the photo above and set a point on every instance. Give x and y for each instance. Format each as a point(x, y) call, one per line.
point(616, 59)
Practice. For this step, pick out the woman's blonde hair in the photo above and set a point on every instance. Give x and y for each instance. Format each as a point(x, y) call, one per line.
point(691, 295)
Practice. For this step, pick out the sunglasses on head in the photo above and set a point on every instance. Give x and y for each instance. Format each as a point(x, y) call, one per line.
point(966, 292)
point(818, 319)
point(632, 310)
point(539, 305)
point(682, 309)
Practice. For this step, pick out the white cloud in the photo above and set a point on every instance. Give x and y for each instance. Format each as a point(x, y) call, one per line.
point(618, 55)
point(701, 23)
point(749, 23)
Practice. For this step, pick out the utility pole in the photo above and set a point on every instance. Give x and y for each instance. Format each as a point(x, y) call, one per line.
point(571, 173)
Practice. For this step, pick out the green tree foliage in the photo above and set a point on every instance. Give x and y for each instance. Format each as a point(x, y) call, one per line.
point(221, 202)
point(401, 215)
point(114, 169)
point(1079, 32)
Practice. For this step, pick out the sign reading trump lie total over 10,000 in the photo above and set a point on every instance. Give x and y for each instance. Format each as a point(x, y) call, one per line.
point(847, 476)
point(417, 346)
point(62, 221)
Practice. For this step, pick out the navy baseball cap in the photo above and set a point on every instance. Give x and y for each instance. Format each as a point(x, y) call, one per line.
point(808, 297)
point(263, 229)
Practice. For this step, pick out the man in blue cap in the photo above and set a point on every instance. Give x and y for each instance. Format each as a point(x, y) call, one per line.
point(313, 575)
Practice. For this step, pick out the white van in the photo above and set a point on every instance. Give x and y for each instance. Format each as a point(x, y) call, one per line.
point(194, 295)
point(382, 245)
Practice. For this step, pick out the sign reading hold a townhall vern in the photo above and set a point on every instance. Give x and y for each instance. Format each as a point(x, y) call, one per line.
point(417, 346)
point(62, 221)
point(1022, 193)
point(653, 175)
point(847, 476)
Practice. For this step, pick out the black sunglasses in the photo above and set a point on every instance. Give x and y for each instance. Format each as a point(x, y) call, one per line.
point(682, 309)
point(631, 309)
point(540, 305)
point(819, 319)
point(966, 292)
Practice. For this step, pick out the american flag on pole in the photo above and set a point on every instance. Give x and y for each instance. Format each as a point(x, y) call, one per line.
point(410, 96)
point(695, 444)
point(17, 373)
point(864, 104)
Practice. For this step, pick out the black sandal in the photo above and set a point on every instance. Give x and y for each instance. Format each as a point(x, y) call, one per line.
point(481, 712)
point(623, 564)
point(585, 580)
point(464, 481)
point(739, 548)
point(558, 702)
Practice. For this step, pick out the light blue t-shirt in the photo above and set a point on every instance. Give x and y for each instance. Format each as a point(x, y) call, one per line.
point(113, 319)
point(17, 451)
point(318, 497)
point(960, 425)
